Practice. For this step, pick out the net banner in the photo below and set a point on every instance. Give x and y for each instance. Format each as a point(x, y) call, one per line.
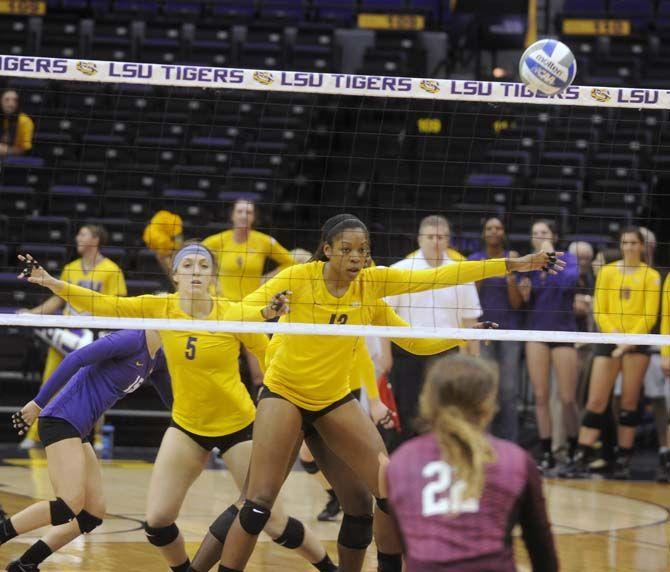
point(324, 83)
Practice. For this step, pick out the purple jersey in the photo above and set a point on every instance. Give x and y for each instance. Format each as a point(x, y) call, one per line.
point(442, 531)
point(495, 300)
point(98, 375)
point(551, 299)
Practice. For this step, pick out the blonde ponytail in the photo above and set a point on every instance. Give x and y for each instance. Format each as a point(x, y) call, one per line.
point(456, 404)
point(466, 448)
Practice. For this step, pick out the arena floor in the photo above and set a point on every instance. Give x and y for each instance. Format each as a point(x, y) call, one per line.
point(600, 525)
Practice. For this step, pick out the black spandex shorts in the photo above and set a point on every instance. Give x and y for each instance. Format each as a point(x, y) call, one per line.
point(222, 442)
point(605, 350)
point(308, 416)
point(554, 345)
point(54, 429)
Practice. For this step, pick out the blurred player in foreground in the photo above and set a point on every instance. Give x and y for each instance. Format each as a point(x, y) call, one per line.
point(456, 492)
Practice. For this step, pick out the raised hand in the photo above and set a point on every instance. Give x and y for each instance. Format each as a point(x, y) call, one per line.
point(548, 261)
point(34, 273)
point(278, 306)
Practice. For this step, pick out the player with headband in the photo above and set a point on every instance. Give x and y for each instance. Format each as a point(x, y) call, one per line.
point(92, 380)
point(212, 408)
point(307, 380)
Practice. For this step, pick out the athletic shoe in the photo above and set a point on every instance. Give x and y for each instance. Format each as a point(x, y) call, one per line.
point(621, 469)
point(547, 463)
point(663, 471)
point(331, 510)
point(18, 566)
point(579, 468)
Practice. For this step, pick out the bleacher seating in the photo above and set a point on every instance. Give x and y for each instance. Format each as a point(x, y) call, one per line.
point(116, 153)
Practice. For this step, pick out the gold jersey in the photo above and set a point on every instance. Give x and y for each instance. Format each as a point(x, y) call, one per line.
point(627, 303)
point(313, 371)
point(209, 397)
point(241, 263)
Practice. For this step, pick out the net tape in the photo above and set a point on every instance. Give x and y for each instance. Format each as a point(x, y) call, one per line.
point(110, 323)
point(62, 69)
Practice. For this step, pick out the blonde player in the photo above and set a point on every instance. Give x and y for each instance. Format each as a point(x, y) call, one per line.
point(211, 406)
point(92, 270)
point(307, 381)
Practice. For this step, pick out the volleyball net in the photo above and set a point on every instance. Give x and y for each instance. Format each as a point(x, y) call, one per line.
point(117, 142)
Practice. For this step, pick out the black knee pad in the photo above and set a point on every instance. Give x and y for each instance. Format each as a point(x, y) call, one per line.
point(389, 562)
point(629, 418)
point(161, 535)
point(220, 527)
point(593, 420)
point(61, 513)
point(310, 467)
point(293, 534)
point(355, 531)
point(253, 517)
point(383, 505)
point(87, 521)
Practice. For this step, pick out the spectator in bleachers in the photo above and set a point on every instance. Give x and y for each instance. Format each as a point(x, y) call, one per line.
point(242, 253)
point(17, 127)
point(92, 270)
point(501, 299)
point(549, 306)
point(456, 307)
point(627, 298)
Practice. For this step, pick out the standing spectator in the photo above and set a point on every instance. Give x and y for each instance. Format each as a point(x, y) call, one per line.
point(455, 307)
point(241, 254)
point(501, 299)
point(586, 282)
point(583, 307)
point(93, 271)
point(17, 127)
point(654, 380)
point(626, 301)
point(549, 305)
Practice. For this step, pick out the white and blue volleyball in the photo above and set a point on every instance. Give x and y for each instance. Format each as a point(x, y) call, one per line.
point(548, 66)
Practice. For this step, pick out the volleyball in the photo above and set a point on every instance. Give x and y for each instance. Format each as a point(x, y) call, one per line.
point(548, 66)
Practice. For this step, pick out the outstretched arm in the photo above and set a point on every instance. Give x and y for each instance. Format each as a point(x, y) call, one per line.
point(89, 301)
point(393, 281)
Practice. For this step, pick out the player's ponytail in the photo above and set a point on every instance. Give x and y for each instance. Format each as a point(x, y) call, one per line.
point(332, 228)
point(456, 404)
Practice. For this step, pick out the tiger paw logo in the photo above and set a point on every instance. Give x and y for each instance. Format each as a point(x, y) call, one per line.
point(429, 86)
point(87, 68)
point(264, 78)
point(601, 95)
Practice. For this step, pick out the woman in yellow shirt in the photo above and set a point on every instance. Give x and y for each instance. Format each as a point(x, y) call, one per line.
point(307, 377)
point(626, 301)
point(665, 361)
point(212, 408)
point(17, 127)
point(241, 254)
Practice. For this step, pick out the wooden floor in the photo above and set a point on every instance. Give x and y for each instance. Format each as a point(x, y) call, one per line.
point(600, 526)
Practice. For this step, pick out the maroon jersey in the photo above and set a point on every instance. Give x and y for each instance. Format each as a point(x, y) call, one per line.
point(443, 531)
